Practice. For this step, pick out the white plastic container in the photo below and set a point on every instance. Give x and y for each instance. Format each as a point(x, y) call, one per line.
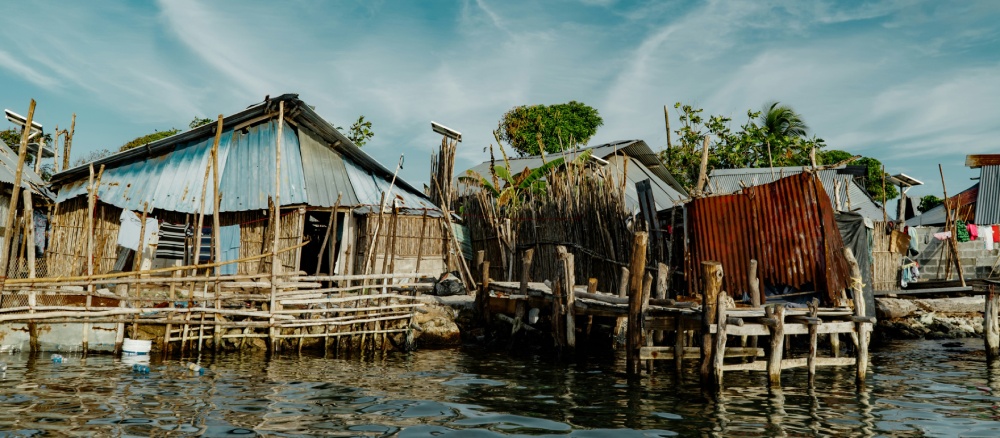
point(136, 347)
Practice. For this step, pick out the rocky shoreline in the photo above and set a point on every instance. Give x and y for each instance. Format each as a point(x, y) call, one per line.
point(941, 318)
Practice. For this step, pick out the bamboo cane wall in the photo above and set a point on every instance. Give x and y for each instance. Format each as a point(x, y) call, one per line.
point(581, 208)
point(67, 250)
point(885, 262)
point(402, 234)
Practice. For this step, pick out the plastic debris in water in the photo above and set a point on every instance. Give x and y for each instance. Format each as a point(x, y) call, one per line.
point(57, 358)
point(3, 367)
point(140, 368)
point(196, 368)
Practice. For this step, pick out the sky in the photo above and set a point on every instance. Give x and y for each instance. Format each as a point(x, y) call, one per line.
point(911, 83)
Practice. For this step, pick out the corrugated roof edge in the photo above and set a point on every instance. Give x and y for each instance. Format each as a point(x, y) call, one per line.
point(298, 111)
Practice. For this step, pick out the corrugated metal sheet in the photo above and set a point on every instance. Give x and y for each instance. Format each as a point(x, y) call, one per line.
point(173, 181)
point(725, 181)
point(368, 188)
point(324, 173)
point(988, 200)
point(248, 179)
point(787, 226)
point(636, 149)
point(29, 179)
point(663, 195)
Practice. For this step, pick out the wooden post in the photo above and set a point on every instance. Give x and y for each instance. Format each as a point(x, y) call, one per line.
point(637, 266)
point(991, 325)
point(644, 336)
point(621, 324)
point(776, 315)
point(569, 283)
point(703, 170)
point(662, 287)
point(755, 299)
point(838, 205)
point(953, 241)
point(520, 309)
point(272, 331)
point(711, 284)
point(8, 232)
point(679, 344)
point(68, 142)
point(91, 206)
point(719, 352)
point(813, 340)
point(483, 297)
point(863, 328)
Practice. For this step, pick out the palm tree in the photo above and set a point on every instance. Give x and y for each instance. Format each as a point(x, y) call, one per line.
point(782, 121)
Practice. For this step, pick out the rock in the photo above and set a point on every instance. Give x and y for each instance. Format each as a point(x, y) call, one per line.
point(894, 308)
point(960, 305)
point(449, 285)
point(437, 327)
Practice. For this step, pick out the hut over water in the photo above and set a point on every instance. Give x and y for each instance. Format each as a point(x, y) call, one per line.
point(327, 182)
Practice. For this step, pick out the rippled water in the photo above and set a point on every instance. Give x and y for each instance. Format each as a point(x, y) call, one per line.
point(927, 388)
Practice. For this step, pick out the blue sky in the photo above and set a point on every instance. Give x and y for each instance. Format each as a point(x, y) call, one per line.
point(912, 83)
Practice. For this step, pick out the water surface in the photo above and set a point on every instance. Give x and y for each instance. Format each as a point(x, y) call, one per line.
point(917, 388)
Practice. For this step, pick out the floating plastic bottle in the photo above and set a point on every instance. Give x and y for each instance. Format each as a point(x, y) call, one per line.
point(196, 368)
point(57, 358)
point(3, 367)
point(140, 368)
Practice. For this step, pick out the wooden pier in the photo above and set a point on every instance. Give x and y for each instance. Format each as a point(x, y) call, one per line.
point(665, 329)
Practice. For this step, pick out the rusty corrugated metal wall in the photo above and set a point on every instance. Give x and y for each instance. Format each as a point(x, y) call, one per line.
point(787, 225)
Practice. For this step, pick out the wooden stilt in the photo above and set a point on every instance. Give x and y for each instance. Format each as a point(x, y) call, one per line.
point(813, 339)
point(863, 327)
point(662, 287)
point(679, 344)
point(719, 352)
point(775, 315)
point(637, 267)
point(711, 278)
point(991, 325)
point(621, 323)
point(755, 298)
point(272, 331)
point(569, 281)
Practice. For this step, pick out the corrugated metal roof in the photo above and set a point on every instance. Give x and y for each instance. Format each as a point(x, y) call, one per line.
point(168, 173)
point(368, 188)
point(787, 226)
point(637, 149)
point(325, 174)
point(960, 205)
point(725, 181)
point(663, 195)
point(29, 179)
point(173, 180)
point(988, 200)
point(248, 179)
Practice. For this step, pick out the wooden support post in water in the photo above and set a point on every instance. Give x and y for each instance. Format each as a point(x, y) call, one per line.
point(813, 340)
point(711, 285)
point(863, 328)
point(276, 219)
point(569, 282)
point(483, 297)
point(775, 315)
point(679, 344)
point(637, 266)
point(755, 298)
point(216, 225)
point(991, 325)
point(521, 308)
point(645, 337)
point(622, 322)
point(719, 352)
point(662, 286)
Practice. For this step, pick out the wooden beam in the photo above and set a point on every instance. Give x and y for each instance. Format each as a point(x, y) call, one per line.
point(711, 277)
point(637, 266)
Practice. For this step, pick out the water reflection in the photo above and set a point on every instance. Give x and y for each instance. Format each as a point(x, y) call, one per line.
point(916, 388)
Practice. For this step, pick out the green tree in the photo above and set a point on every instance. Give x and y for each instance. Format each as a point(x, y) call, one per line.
point(761, 141)
point(558, 127)
point(873, 176)
point(928, 202)
point(143, 140)
point(361, 131)
point(92, 156)
point(197, 121)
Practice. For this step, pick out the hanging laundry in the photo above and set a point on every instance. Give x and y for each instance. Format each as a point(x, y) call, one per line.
point(229, 241)
point(996, 233)
point(961, 232)
point(131, 226)
point(912, 232)
point(171, 245)
point(986, 234)
point(973, 231)
point(944, 235)
point(205, 253)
